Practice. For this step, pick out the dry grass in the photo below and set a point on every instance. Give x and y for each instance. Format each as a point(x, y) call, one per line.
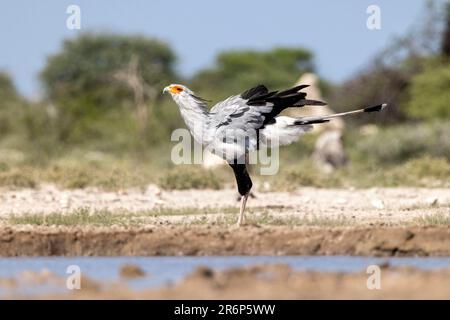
point(87, 217)
point(272, 220)
point(18, 178)
point(434, 220)
point(190, 177)
point(421, 172)
point(80, 217)
point(221, 216)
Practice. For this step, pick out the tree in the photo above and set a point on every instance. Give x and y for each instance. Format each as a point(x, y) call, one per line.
point(377, 84)
point(10, 111)
point(131, 77)
point(446, 34)
point(95, 77)
point(236, 70)
point(388, 77)
point(7, 89)
point(430, 93)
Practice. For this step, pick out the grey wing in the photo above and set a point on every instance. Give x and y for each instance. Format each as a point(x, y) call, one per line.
point(234, 119)
point(238, 118)
point(235, 113)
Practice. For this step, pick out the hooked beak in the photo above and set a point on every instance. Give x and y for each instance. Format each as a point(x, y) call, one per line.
point(166, 89)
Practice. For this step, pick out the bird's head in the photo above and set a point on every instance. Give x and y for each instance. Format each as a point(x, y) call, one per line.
point(184, 97)
point(177, 90)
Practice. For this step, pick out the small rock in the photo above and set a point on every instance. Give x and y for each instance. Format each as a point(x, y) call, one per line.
point(64, 202)
point(153, 190)
point(131, 271)
point(159, 202)
point(432, 201)
point(49, 198)
point(204, 272)
point(377, 204)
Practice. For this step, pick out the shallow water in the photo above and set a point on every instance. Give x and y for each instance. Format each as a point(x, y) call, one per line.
point(165, 270)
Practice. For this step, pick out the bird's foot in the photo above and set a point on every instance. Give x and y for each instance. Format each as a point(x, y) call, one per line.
point(242, 220)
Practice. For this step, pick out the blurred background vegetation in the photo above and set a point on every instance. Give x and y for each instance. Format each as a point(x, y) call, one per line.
point(104, 122)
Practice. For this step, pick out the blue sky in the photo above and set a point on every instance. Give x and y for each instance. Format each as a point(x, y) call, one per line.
point(335, 31)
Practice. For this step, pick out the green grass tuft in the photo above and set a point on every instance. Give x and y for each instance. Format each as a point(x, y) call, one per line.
point(80, 217)
point(88, 217)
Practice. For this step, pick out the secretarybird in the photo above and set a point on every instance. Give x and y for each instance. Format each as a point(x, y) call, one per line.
point(243, 123)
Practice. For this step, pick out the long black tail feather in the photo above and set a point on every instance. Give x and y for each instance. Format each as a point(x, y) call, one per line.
point(322, 119)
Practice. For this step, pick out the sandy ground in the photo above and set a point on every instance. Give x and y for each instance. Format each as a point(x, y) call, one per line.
point(380, 222)
point(261, 282)
point(381, 205)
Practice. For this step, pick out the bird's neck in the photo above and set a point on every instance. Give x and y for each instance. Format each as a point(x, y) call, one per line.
point(195, 115)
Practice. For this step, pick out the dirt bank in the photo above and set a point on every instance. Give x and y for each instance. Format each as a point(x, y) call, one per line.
point(223, 240)
point(308, 221)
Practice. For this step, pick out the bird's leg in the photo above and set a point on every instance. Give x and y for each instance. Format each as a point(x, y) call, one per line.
point(241, 220)
point(244, 184)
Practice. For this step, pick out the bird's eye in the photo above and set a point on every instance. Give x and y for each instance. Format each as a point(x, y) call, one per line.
point(176, 89)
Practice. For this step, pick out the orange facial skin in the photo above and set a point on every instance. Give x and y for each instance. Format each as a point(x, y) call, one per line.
point(176, 89)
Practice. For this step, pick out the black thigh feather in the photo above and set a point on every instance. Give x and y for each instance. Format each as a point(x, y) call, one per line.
point(243, 180)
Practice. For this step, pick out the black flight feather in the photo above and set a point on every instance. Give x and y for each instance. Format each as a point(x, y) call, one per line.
point(260, 96)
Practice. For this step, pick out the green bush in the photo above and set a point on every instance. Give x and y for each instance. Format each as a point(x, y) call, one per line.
point(11, 106)
point(18, 178)
point(304, 173)
point(237, 70)
point(430, 93)
point(427, 167)
point(425, 171)
point(397, 144)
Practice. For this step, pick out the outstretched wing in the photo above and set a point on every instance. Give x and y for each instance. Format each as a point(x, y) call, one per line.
point(256, 107)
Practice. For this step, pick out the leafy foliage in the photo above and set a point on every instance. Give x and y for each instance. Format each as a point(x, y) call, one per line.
point(10, 105)
point(235, 70)
point(396, 144)
point(7, 89)
point(430, 93)
point(388, 76)
point(83, 81)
